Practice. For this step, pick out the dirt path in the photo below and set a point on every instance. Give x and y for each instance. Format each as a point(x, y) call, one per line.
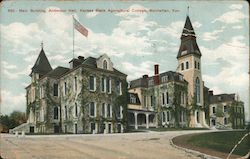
point(109, 146)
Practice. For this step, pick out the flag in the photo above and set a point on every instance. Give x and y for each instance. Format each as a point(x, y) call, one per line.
point(80, 28)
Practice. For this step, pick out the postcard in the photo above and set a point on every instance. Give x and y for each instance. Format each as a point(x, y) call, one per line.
point(124, 79)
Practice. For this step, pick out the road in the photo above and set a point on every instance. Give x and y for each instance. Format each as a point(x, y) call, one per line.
point(151, 145)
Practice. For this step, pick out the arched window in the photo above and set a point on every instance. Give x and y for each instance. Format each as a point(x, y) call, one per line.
point(187, 65)
point(105, 65)
point(56, 113)
point(197, 90)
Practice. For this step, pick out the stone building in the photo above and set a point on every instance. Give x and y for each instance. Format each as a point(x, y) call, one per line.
point(158, 101)
point(226, 111)
point(172, 98)
point(88, 97)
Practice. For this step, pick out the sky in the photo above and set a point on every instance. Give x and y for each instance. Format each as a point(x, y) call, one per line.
point(134, 40)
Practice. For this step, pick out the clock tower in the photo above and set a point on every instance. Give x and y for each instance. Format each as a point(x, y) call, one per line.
point(189, 64)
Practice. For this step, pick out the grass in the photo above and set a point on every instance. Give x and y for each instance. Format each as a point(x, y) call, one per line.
point(175, 129)
point(220, 141)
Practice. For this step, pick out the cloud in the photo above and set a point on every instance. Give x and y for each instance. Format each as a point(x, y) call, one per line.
point(236, 6)
point(231, 17)
point(8, 66)
point(208, 36)
point(197, 24)
point(136, 71)
point(11, 102)
point(235, 72)
point(237, 27)
point(16, 73)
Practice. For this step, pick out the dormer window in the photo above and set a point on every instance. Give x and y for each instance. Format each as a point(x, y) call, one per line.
point(105, 65)
point(164, 79)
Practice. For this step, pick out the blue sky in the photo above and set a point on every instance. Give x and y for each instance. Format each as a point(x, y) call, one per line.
point(135, 41)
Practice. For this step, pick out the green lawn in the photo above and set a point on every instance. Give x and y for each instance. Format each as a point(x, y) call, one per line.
point(221, 141)
point(175, 129)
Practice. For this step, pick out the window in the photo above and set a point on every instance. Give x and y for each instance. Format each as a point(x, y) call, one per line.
point(182, 66)
point(109, 128)
point(225, 108)
point(55, 89)
point(167, 98)
point(151, 100)
point(92, 127)
point(163, 117)
point(151, 82)
point(75, 128)
point(92, 111)
point(163, 99)
point(65, 88)
point(168, 116)
point(75, 81)
point(103, 81)
point(197, 117)
point(182, 97)
point(213, 110)
point(119, 112)
point(66, 112)
point(105, 65)
point(92, 83)
point(145, 101)
point(76, 110)
point(198, 65)
point(187, 65)
point(164, 79)
point(119, 87)
point(181, 77)
point(55, 112)
point(109, 85)
point(195, 64)
point(197, 90)
point(103, 109)
point(225, 121)
point(41, 92)
point(109, 111)
point(132, 99)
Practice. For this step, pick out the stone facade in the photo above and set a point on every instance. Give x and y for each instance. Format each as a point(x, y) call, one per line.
point(226, 111)
point(162, 101)
point(88, 97)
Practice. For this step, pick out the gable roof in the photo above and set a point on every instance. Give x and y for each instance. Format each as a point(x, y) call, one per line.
point(42, 65)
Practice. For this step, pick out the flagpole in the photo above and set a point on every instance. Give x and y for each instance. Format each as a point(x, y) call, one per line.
point(73, 35)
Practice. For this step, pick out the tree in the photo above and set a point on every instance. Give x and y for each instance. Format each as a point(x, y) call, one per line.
point(16, 118)
point(9, 122)
point(4, 123)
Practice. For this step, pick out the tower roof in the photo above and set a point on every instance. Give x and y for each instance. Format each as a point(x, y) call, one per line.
point(188, 29)
point(42, 65)
point(188, 41)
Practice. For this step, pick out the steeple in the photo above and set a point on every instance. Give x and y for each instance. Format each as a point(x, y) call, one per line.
point(188, 41)
point(42, 65)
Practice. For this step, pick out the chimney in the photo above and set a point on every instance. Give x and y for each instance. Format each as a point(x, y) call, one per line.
point(156, 77)
point(81, 58)
point(156, 69)
point(211, 93)
point(145, 76)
